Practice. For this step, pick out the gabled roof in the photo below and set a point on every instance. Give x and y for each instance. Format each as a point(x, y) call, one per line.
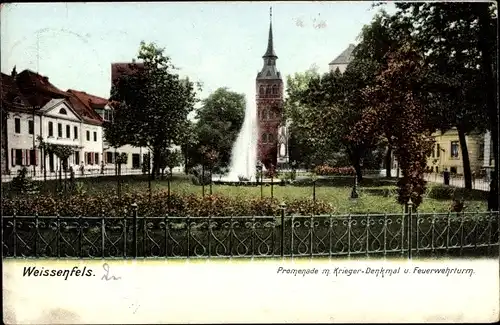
point(345, 57)
point(84, 104)
point(57, 101)
point(119, 69)
point(37, 88)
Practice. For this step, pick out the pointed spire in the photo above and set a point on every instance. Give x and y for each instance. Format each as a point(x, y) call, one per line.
point(270, 48)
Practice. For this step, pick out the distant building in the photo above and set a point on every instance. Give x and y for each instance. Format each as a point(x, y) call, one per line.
point(269, 100)
point(341, 61)
point(447, 152)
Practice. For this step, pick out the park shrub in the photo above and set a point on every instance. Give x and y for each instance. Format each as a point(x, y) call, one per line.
point(160, 204)
point(325, 170)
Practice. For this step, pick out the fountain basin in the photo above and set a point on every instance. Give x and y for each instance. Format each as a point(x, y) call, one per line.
point(265, 182)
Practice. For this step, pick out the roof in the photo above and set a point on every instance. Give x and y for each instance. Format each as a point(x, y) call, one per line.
point(85, 104)
point(37, 88)
point(345, 57)
point(10, 94)
point(124, 68)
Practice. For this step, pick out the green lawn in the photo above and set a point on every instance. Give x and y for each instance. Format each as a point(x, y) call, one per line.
point(375, 195)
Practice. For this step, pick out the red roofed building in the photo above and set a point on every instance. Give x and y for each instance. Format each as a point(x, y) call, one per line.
point(119, 69)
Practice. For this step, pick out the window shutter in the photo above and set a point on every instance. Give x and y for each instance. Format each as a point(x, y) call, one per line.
point(105, 157)
point(36, 157)
point(92, 158)
point(13, 157)
point(23, 157)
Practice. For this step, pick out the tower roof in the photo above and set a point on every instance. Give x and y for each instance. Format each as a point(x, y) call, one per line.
point(270, 46)
point(344, 57)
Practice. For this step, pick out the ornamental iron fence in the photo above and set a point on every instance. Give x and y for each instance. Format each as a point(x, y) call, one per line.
point(132, 236)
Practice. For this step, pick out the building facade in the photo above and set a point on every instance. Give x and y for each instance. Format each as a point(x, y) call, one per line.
point(447, 153)
point(269, 102)
point(33, 108)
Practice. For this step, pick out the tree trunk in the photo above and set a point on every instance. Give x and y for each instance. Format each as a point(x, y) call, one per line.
point(465, 158)
point(388, 156)
point(156, 163)
point(490, 83)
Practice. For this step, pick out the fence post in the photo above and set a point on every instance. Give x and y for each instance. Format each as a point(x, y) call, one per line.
point(282, 208)
point(410, 232)
point(134, 216)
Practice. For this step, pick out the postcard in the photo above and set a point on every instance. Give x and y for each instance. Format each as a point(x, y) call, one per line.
point(213, 162)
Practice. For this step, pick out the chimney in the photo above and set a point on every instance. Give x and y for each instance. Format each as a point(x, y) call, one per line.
point(14, 72)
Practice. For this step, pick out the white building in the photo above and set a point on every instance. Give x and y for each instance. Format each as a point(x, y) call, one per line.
point(341, 61)
point(36, 108)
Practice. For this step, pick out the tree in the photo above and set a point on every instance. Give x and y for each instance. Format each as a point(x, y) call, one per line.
point(219, 122)
point(448, 34)
point(153, 105)
point(396, 111)
point(189, 145)
point(63, 152)
point(301, 143)
point(460, 43)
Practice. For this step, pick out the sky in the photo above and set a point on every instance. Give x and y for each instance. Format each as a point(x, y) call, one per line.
point(217, 43)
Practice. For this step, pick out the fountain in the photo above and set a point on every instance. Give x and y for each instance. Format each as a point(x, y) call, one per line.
point(244, 152)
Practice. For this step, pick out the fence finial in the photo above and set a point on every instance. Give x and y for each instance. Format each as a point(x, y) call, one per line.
point(282, 205)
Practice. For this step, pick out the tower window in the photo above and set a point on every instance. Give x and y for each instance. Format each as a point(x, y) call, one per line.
point(275, 90)
point(261, 90)
point(264, 137)
point(270, 138)
point(268, 90)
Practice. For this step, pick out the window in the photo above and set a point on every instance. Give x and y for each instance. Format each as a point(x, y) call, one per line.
point(51, 129)
point(270, 138)
point(77, 157)
point(264, 137)
point(59, 130)
point(95, 136)
point(261, 90)
point(88, 158)
point(275, 90)
point(108, 115)
point(433, 154)
point(109, 158)
point(480, 154)
point(453, 170)
point(63, 111)
point(454, 149)
point(268, 90)
point(438, 150)
point(135, 160)
point(32, 157)
point(68, 131)
point(96, 158)
point(88, 135)
point(75, 131)
point(31, 127)
point(437, 169)
point(18, 157)
point(17, 125)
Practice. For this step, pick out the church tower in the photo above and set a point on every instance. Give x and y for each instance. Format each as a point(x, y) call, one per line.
point(269, 100)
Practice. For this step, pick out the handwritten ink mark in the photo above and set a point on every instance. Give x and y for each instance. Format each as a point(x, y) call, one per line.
point(106, 276)
point(135, 310)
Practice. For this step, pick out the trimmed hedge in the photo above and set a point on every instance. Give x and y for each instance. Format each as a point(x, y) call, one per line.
point(327, 170)
point(98, 205)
